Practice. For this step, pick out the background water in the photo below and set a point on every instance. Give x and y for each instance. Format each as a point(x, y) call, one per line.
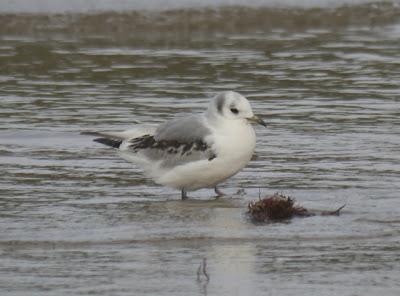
point(57, 6)
point(75, 219)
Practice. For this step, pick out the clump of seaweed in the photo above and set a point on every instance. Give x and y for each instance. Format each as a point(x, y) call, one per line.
point(280, 207)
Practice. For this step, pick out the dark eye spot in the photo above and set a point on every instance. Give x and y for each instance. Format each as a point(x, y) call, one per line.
point(234, 110)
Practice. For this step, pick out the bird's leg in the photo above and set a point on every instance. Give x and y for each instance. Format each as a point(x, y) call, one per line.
point(218, 192)
point(184, 194)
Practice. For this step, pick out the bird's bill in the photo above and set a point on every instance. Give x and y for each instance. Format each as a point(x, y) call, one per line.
point(256, 119)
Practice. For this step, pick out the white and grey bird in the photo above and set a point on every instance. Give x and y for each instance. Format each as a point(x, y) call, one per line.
point(193, 152)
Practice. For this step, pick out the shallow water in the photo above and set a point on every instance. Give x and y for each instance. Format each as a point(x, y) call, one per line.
point(76, 219)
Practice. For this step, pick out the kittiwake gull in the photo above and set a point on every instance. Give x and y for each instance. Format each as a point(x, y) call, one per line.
point(193, 152)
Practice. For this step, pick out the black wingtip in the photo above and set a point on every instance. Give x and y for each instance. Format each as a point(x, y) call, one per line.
point(89, 133)
point(109, 142)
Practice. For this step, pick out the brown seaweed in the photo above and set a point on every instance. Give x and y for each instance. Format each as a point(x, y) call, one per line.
point(280, 207)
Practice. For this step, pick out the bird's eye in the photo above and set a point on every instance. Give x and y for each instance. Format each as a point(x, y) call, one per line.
point(234, 110)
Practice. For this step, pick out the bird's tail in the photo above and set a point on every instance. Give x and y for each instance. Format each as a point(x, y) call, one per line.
point(115, 139)
point(108, 139)
point(115, 143)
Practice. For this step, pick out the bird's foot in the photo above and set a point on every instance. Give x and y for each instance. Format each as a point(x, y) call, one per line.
point(218, 192)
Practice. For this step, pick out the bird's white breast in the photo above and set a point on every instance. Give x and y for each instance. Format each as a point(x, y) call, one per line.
point(235, 144)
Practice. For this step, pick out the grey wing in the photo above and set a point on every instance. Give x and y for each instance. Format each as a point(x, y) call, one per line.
point(184, 129)
point(176, 142)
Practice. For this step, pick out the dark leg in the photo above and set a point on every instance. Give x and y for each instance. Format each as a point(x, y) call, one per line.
point(218, 192)
point(184, 194)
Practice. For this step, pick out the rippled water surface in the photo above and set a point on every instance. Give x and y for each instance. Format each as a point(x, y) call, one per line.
point(75, 219)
